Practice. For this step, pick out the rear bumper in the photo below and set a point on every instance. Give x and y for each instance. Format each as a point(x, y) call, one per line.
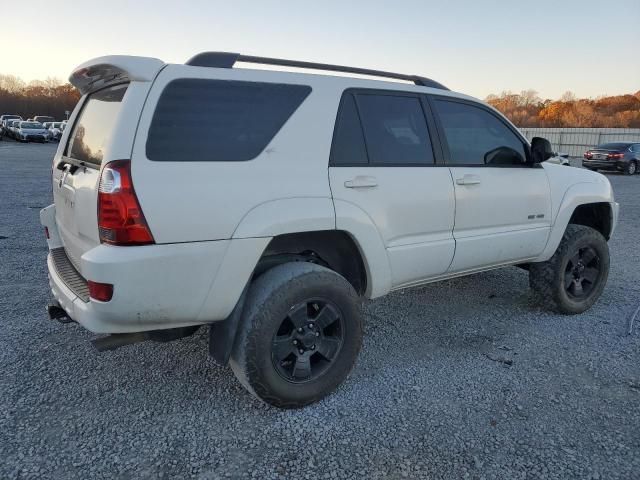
point(155, 286)
point(605, 165)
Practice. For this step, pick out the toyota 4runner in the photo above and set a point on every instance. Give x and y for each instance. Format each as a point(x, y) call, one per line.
point(266, 203)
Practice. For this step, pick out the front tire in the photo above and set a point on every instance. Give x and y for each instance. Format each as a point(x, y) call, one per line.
point(573, 279)
point(300, 334)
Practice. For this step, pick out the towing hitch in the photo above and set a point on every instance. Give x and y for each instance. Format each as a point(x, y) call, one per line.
point(56, 312)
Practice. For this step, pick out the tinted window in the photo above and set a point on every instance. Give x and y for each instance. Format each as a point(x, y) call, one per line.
point(473, 135)
point(217, 120)
point(614, 146)
point(94, 127)
point(395, 130)
point(348, 141)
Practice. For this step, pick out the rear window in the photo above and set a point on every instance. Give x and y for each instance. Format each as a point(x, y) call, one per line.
point(94, 127)
point(198, 120)
point(614, 146)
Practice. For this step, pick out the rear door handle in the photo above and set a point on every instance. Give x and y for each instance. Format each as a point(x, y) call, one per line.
point(361, 182)
point(468, 180)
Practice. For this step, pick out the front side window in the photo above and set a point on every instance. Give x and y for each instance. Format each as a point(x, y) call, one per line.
point(200, 120)
point(96, 122)
point(395, 130)
point(477, 137)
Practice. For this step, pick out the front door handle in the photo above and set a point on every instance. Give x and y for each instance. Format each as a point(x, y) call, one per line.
point(361, 182)
point(468, 180)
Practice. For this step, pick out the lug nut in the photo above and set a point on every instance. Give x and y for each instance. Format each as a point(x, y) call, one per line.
point(317, 334)
point(301, 351)
point(313, 347)
point(300, 330)
point(311, 325)
point(295, 342)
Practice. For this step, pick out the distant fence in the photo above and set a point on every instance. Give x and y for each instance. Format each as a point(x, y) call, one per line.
point(575, 141)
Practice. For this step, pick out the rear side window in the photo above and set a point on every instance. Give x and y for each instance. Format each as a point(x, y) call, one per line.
point(473, 135)
point(199, 120)
point(395, 130)
point(94, 127)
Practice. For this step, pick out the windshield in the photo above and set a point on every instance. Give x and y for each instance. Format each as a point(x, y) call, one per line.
point(30, 125)
point(614, 146)
point(94, 127)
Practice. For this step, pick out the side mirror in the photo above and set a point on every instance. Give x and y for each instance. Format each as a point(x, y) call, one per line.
point(540, 150)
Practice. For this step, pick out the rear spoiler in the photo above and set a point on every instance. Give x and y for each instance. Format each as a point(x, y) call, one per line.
point(102, 71)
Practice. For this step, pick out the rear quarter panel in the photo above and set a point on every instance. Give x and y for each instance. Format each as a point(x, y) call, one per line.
point(197, 201)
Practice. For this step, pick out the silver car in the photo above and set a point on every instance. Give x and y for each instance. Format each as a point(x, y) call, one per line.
point(31, 132)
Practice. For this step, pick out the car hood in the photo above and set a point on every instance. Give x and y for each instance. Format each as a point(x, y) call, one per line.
point(32, 131)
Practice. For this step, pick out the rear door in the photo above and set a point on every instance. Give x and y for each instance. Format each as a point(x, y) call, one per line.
point(503, 203)
point(383, 162)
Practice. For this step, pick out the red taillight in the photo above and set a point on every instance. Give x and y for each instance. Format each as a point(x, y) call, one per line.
point(615, 155)
point(588, 155)
point(100, 291)
point(120, 218)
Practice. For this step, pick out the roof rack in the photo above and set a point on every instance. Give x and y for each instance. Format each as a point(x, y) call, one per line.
point(228, 59)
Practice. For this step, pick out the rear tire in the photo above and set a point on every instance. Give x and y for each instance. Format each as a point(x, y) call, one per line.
point(632, 168)
point(300, 335)
point(573, 279)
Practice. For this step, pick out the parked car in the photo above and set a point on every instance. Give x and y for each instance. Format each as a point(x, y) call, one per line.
point(43, 118)
point(4, 119)
point(12, 126)
point(560, 159)
point(55, 130)
point(302, 194)
point(31, 132)
point(616, 156)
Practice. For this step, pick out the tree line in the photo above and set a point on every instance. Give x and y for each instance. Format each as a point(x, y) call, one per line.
point(39, 97)
point(527, 109)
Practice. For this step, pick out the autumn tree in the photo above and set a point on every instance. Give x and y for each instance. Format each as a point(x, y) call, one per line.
point(526, 109)
point(38, 97)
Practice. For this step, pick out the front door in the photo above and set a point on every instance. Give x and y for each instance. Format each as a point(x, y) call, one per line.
point(503, 203)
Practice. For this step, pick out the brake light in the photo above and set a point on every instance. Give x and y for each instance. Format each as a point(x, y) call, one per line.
point(615, 155)
point(120, 218)
point(100, 291)
point(588, 155)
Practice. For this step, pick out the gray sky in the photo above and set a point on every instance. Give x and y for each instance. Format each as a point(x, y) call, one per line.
point(589, 47)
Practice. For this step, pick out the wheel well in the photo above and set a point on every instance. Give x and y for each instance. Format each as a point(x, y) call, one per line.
point(594, 215)
point(334, 249)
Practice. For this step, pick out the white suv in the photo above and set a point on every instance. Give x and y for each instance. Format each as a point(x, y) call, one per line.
point(265, 204)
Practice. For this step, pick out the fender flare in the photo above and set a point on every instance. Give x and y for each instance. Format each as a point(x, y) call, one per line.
point(576, 195)
point(287, 215)
point(359, 225)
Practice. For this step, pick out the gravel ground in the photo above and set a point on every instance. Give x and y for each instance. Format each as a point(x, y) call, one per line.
point(425, 400)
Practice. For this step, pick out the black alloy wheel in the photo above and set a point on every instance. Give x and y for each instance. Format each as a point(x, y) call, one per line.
point(308, 341)
point(582, 273)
